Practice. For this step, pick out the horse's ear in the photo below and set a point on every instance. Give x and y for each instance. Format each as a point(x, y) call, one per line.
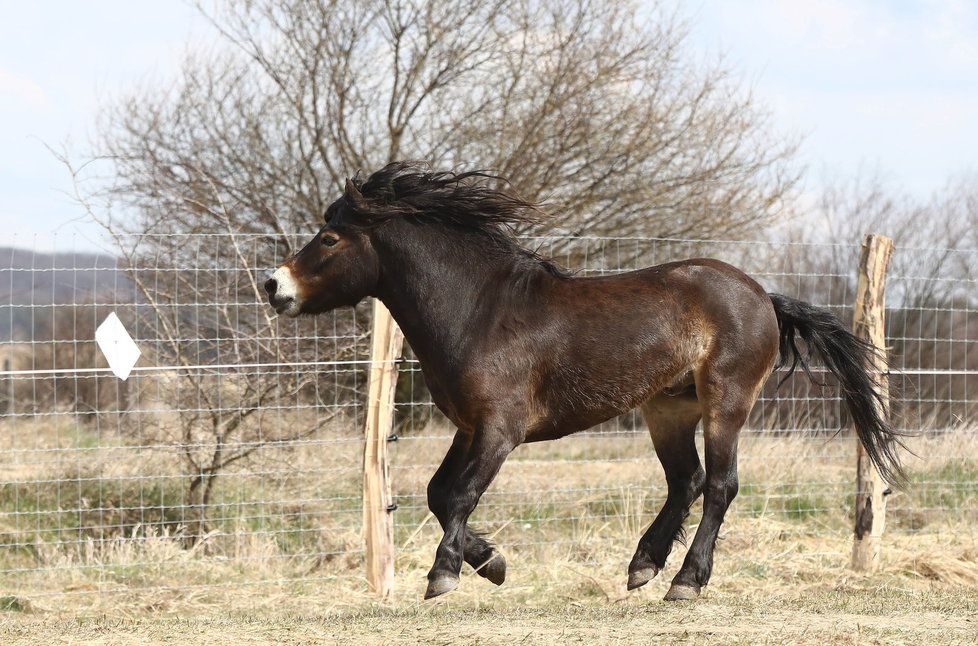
point(353, 194)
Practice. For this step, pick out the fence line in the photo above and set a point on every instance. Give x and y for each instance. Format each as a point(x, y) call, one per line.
point(200, 367)
point(239, 439)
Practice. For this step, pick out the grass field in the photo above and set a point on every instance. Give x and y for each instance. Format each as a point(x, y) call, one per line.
point(772, 585)
point(90, 549)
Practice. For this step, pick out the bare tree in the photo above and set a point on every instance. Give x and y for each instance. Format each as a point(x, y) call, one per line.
point(593, 107)
point(233, 382)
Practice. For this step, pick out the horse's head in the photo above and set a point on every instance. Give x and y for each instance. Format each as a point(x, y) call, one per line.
point(337, 268)
point(341, 265)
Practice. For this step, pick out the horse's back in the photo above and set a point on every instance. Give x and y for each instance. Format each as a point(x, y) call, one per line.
point(681, 295)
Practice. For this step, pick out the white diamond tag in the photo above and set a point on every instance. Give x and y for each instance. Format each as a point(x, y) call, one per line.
point(118, 347)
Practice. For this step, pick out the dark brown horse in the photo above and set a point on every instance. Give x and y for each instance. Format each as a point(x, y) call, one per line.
point(515, 350)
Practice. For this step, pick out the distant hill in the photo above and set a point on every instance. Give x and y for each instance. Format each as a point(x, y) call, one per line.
point(32, 284)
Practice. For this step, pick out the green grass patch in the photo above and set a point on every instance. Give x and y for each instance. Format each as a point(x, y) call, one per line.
point(73, 511)
point(953, 485)
point(793, 501)
point(11, 603)
point(88, 507)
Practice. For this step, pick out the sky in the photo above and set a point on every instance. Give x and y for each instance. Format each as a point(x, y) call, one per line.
point(888, 87)
point(59, 61)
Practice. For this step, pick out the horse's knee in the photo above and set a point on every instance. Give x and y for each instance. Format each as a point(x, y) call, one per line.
point(689, 488)
point(722, 488)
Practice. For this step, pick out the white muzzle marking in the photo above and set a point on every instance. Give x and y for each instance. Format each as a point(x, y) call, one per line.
point(287, 288)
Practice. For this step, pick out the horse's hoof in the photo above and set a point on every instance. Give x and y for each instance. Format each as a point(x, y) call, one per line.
point(494, 569)
point(682, 592)
point(440, 585)
point(640, 577)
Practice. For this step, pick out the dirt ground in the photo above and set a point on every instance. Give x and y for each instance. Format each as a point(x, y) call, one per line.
point(867, 616)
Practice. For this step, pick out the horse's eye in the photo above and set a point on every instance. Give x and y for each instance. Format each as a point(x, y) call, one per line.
point(329, 241)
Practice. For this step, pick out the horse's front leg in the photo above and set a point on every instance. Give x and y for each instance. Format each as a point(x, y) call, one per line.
point(489, 449)
point(478, 552)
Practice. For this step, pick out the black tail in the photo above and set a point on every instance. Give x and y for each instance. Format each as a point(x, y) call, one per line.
point(846, 356)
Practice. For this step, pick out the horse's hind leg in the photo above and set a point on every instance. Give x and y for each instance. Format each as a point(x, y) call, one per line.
point(726, 395)
point(477, 551)
point(672, 424)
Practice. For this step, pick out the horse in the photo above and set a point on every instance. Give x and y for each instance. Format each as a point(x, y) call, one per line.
point(515, 349)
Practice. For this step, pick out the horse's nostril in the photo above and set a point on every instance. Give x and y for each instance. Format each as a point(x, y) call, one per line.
point(271, 285)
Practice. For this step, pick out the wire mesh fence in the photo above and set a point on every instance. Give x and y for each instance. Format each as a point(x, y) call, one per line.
point(236, 437)
point(237, 441)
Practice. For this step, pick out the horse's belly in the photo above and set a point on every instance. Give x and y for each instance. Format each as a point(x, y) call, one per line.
point(573, 405)
point(561, 427)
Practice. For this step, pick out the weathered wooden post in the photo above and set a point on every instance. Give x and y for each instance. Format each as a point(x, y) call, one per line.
point(868, 324)
point(8, 396)
point(378, 522)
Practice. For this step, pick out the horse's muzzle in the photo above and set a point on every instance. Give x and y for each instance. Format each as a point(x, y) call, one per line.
point(278, 302)
point(279, 296)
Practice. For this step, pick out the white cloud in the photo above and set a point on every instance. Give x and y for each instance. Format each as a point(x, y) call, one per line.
point(20, 90)
point(829, 25)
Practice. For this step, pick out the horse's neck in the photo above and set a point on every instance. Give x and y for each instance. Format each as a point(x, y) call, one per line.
point(435, 288)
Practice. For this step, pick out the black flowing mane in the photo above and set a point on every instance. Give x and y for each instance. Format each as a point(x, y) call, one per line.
point(451, 200)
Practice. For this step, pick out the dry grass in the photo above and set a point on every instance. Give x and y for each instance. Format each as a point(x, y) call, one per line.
point(283, 563)
point(772, 584)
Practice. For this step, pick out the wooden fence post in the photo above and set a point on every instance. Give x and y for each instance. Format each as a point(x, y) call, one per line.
point(378, 523)
point(868, 324)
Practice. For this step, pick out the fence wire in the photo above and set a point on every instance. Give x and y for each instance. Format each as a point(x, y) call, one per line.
point(232, 455)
